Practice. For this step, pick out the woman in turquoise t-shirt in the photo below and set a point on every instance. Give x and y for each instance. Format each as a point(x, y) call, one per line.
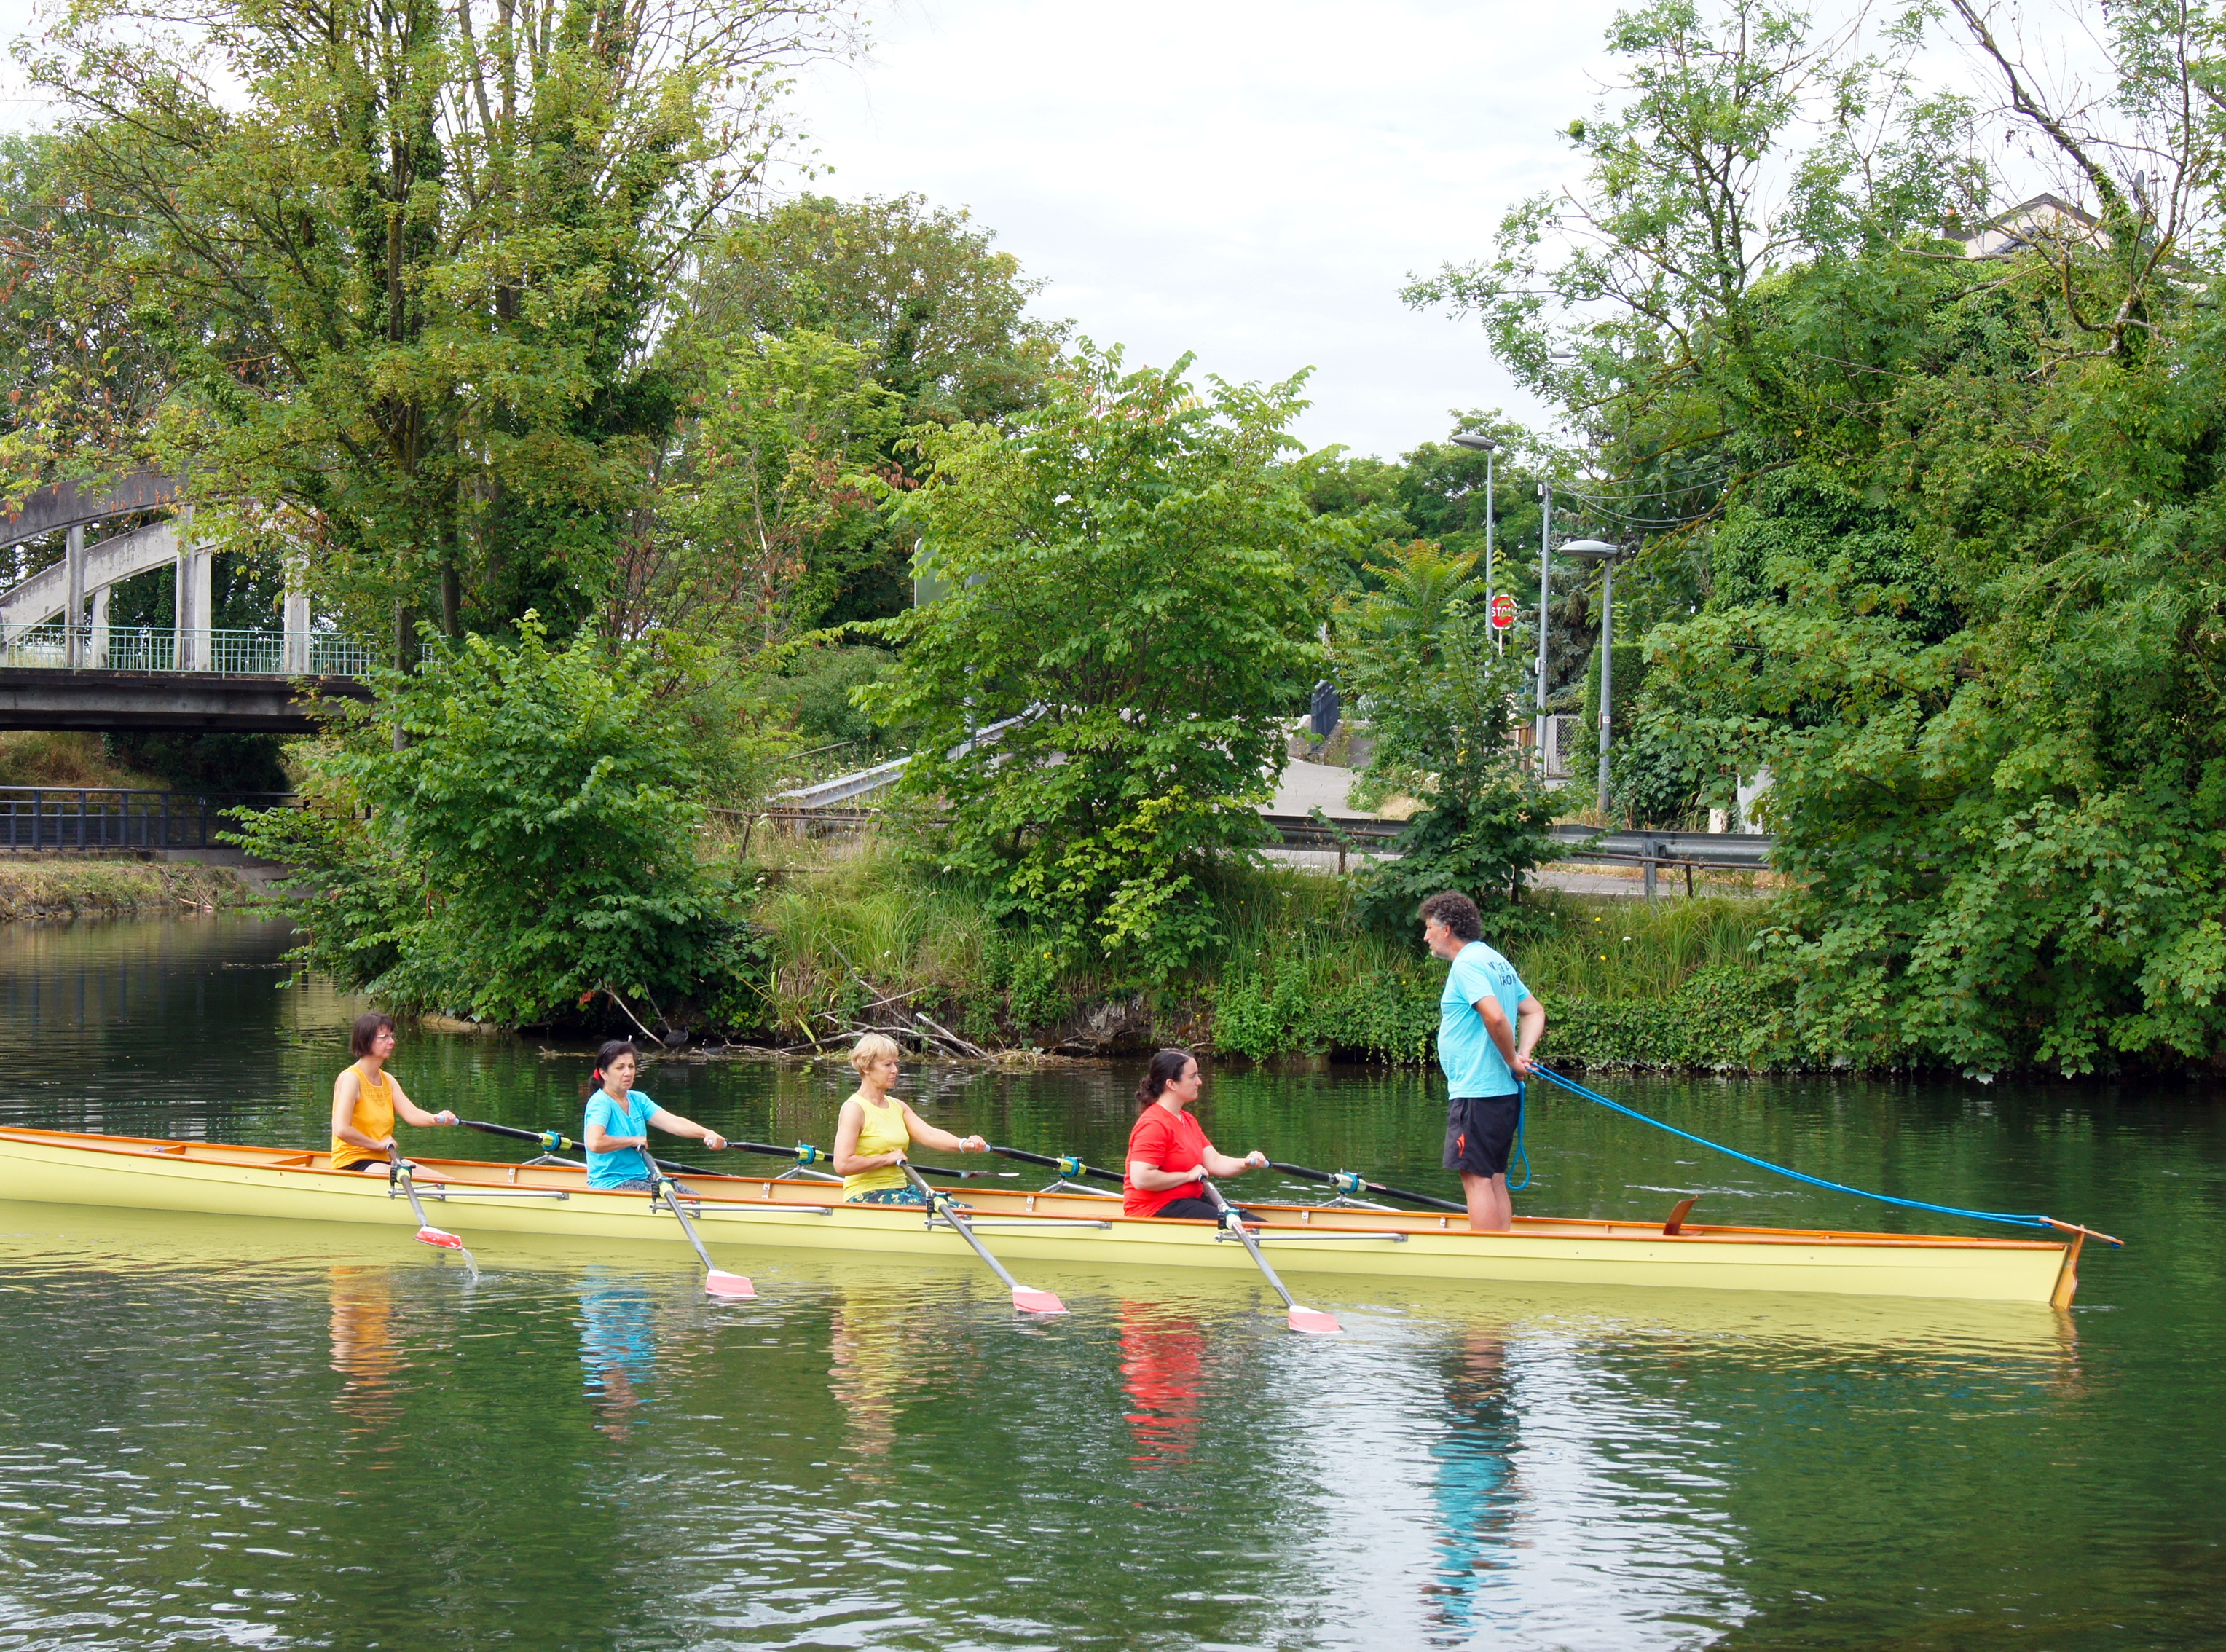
point(619, 1117)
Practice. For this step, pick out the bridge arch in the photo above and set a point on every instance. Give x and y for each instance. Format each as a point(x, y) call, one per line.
point(92, 571)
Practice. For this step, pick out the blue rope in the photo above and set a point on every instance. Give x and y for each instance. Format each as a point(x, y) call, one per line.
point(1521, 1152)
point(1575, 1088)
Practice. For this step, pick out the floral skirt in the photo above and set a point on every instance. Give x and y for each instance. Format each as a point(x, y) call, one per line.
point(906, 1195)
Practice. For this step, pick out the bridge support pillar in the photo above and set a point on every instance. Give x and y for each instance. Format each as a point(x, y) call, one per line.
point(73, 601)
point(192, 612)
point(297, 622)
point(98, 635)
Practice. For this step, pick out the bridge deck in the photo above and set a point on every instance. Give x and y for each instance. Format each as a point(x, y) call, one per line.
point(209, 701)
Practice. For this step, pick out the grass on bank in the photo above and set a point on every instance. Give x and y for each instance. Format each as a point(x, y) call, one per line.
point(849, 925)
point(61, 758)
point(75, 885)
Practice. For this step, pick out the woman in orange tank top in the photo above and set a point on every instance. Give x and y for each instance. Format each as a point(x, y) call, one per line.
point(366, 1099)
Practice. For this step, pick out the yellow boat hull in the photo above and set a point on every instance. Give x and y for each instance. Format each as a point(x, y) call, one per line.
point(738, 1213)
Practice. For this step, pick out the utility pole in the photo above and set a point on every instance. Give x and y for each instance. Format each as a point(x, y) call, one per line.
point(1545, 596)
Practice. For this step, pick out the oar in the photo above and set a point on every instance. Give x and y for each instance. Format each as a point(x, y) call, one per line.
point(804, 1153)
point(716, 1281)
point(1312, 1321)
point(1067, 1164)
point(939, 1202)
point(398, 1174)
point(1352, 1187)
point(555, 1141)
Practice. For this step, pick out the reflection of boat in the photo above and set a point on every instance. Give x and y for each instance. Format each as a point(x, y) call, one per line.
point(59, 1167)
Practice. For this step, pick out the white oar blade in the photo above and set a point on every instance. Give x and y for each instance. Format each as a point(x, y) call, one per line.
point(1028, 1301)
point(716, 1283)
point(1313, 1322)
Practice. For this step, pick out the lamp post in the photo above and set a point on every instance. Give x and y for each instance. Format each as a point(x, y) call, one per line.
point(1596, 551)
point(1488, 447)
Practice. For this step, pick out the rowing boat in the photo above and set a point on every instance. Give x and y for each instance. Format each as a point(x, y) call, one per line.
point(490, 1199)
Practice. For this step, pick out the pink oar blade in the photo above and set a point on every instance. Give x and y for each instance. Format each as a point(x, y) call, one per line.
point(1313, 1322)
point(721, 1284)
point(439, 1236)
point(1030, 1301)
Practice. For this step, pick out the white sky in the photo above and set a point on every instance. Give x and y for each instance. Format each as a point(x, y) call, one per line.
point(1253, 183)
point(1249, 181)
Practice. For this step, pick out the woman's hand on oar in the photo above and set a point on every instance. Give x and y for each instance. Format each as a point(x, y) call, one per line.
point(939, 1205)
point(1312, 1321)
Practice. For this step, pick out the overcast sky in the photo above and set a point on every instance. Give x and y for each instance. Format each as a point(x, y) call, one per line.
point(1252, 182)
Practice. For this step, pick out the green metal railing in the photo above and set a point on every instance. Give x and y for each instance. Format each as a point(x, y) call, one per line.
point(149, 648)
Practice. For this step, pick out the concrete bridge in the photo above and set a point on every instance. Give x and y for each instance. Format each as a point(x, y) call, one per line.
point(63, 665)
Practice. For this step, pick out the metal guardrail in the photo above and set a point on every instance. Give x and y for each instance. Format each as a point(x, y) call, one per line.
point(849, 788)
point(149, 648)
point(117, 818)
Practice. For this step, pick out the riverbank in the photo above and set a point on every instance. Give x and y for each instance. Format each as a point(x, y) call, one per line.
point(52, 886)
point(857, 940)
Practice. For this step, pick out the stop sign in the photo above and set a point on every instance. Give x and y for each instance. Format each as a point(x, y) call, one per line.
point(1502, 611)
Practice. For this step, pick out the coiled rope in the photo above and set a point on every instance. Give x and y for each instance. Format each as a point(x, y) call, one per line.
point(2013, 1220)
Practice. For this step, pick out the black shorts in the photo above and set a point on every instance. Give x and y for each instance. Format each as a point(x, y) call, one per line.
point(1480, 1132)
point(1198, 1209)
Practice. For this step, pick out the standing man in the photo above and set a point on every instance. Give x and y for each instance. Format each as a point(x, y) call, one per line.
point(1488, 1024)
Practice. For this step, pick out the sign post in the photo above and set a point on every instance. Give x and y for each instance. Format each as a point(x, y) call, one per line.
point(1503, 619)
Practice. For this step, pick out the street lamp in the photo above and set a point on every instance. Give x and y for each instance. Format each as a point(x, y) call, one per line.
point(1487, 446)
point(1597, 550)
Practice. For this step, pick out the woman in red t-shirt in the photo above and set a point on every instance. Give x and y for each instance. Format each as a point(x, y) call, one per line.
point(1168, 1151)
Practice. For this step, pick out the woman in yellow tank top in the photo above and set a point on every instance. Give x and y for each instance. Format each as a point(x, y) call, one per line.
point(366, 1099)
point(876, 1130)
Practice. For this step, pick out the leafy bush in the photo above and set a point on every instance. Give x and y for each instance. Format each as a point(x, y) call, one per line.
point(1129, 574)
point(531, 843)
point(1442, 702)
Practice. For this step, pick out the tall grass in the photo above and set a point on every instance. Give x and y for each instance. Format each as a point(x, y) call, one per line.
point(850, 922)
point(1614, 950)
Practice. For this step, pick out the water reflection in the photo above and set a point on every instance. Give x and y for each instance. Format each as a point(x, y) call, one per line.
point(1162, 1359)
point(617, 1346)
point(365, 1356)
point(875, 1455)
point(1475, 1489)
point(869, 1348)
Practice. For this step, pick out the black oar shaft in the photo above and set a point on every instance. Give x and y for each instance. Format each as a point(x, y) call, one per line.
point(553, 1140)
point(1346, 1182)
point(1068, 1165)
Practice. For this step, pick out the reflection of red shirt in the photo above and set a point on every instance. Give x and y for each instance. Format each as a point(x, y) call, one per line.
point(1175, 1142)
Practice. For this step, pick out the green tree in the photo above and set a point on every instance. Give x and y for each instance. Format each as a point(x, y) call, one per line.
point(1132, 568)
point(407, 263)
point(1443, 707)
point(938, 317)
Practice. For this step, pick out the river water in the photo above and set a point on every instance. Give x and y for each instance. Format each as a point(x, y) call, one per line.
point(236, 1433)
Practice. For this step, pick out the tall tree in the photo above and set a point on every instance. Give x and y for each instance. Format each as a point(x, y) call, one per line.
point(416, 259)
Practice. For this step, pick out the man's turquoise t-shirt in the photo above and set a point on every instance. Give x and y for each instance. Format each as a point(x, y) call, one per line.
point(1473, 1066)
point(631, 1118)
